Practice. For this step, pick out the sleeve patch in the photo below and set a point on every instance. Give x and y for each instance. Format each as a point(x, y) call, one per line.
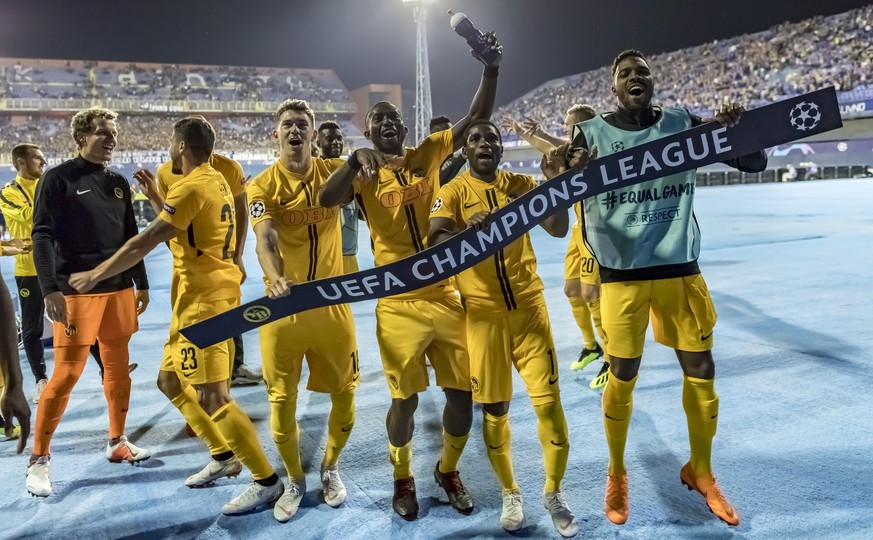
point(436, 205)
point(169, 209)
point(257, 209)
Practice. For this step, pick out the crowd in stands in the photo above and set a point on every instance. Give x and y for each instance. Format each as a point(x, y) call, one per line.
point(22, 78)
point(239, 133)
point(786, 60)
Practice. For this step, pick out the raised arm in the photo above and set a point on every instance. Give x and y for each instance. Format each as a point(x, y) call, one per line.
point(535, 137)
point(483, 101)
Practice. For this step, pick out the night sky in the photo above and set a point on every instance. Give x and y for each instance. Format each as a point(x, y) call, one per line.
point(368, 41)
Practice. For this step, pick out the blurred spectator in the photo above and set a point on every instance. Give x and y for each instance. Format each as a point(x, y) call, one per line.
point(787, 60)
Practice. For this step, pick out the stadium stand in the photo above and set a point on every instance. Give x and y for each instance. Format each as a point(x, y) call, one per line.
point(784, 61)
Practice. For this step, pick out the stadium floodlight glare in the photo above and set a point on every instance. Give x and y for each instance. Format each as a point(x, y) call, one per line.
point(423, 110)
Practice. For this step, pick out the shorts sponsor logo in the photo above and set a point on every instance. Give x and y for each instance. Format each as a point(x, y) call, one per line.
point(393, 380)
point(256, 314)
point(71, 331)
point(707, 336)
point(474, 385)
point(24, 293)
point(169, 209)
point(118, 193)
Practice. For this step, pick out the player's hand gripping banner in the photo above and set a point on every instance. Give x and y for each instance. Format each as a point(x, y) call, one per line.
point(771, 125)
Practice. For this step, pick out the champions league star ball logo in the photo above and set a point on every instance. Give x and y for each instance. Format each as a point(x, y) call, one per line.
point(257, 209)
point(436, 206)
point(804, 116)
point(617, 146)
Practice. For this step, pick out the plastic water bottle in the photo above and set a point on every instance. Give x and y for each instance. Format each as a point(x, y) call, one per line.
point(475, 39)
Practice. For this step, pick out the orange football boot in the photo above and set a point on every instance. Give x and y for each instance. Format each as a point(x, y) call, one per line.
point(706, 486)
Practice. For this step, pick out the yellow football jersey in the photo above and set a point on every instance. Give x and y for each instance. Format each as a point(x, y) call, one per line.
point(201, 206)
point(16, 203)
point(310, 236)
point(397, 204)
point(229, 168)
point(509, 279)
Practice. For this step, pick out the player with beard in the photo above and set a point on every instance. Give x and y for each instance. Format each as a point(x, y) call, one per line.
point(83, 213)
point(507, 323)
point(231, 170)
point(397, 189)
point(198, 216)
point(299, 241)
point(16, 203)
point(647, 271)
point(330, 146)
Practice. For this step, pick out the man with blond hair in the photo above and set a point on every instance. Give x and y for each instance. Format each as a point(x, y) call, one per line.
point(82, 214)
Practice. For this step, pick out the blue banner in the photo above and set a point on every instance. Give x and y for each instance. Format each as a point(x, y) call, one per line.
point(774, 124)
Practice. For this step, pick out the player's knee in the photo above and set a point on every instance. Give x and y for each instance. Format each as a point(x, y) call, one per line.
point(405, 407)
point(624, 369)
point(459, 400)
point(168, 383)
point(496, 409)
point(213, 396)
point(571, 288)
point(699, 365)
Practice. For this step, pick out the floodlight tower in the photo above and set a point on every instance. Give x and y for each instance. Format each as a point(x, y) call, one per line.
point(423, 108)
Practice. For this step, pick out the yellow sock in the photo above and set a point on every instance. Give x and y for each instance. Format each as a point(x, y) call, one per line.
point(701, 409)
point(286, 434)
point(583, 319)
point(453, 447)
point(199, 421)
point(552, 431)
point(339, 426)
point(242, 437)
point(618, 404)
point(401, 458)
point(495, 431)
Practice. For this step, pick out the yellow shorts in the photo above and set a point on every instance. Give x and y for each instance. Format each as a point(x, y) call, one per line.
point(579, 263)
point(497, 341)
point(350, 264)
point(681, 309)
point(325, 337)
point(409, 330)
point(192, 364)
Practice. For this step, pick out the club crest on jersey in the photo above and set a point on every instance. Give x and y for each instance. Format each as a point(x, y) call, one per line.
point(474, 385)
point(419, 173)
point(437, 205)
point(257, 314)
point(71, 331)
point(511, 197)
point(169, 209)
point(119, 193)
point(257, 209)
